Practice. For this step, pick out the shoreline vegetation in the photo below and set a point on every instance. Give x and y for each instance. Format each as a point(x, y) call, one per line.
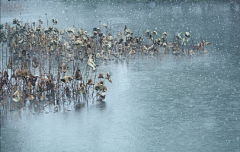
point(52, 67)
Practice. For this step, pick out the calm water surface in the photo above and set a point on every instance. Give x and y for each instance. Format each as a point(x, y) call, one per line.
point(154, 104)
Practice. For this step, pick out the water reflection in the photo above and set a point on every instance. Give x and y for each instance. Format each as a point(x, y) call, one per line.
point(101, 105)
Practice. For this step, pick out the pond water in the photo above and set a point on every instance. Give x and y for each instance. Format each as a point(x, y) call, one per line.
point(154, 104)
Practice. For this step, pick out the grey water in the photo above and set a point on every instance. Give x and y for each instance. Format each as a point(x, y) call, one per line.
point(154, 104)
